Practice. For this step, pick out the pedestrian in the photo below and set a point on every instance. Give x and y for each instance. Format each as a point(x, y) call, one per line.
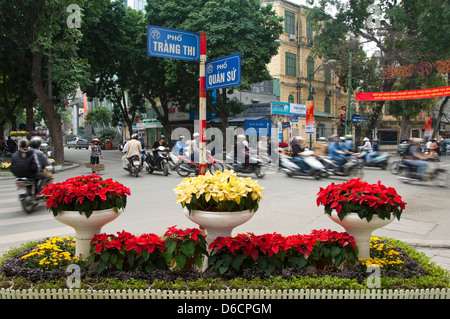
point(96, 153)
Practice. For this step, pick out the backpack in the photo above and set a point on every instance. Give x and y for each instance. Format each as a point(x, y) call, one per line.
point(23, 164)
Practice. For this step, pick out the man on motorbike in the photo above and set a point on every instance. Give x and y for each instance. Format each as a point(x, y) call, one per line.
point(336, 153)
point(161, 142)
point(179, 146)
point(373, 153)
point(35, 145)
point(241, 150)
point(298, 147)
point(414, 157)
point(132, 147)
point(26, 156)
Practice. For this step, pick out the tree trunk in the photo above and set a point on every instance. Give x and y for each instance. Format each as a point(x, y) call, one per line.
point(404, 128)
point(439, 117)
point(53, 117)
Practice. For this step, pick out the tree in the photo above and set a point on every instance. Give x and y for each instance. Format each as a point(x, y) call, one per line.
point(109, 36)
point(238, 26)
point(401, 34)
point(100, 116)
point(50, 52)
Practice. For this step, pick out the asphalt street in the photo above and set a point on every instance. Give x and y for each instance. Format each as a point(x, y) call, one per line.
point(289, 207)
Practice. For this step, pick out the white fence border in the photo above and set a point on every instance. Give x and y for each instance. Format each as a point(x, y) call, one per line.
point(433, 293)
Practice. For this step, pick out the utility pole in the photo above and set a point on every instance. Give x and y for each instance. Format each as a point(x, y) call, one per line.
point(349, 96)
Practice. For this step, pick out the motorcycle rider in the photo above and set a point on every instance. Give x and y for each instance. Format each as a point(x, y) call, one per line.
point(298, 147)
point(158, 143)
point(32, 169)
point(132, 147)
point(434, 147)
point(179, 145)
point(348, 144)
point(35, 145)
point(241, 150)
point(374, 151)
point(415, 157)
point(336, 153)
point(194, 147)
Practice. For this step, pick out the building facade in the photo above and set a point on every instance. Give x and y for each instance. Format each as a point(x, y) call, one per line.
point(293, 66)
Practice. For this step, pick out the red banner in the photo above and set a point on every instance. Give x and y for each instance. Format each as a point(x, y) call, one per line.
point(404, 95)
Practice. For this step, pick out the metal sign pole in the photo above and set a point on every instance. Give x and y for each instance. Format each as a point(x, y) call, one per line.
point(202, 105)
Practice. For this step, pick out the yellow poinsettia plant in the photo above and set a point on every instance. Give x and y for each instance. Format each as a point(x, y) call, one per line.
point(218, 192)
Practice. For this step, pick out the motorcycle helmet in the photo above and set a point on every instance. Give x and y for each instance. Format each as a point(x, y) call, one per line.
point(35, 142)
point(195, 135)
point(135, 136)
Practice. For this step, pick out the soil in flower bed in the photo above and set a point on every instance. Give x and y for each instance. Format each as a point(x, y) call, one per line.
point(13, 267)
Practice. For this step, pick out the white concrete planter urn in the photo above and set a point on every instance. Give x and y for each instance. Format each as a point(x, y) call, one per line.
point(360, 229)
point(218, 224)
point(86, 203)
point(361, 208)
point(85, 228)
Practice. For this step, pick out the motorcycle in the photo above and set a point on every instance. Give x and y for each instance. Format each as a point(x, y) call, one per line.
point(27, 197)
point(381, 160)
point(407, 173)
point(316, 168)
point(158, 162)
point(351, 168)
point(134, 165)
point(433, 153)
point(185, 166)
point(255, 165)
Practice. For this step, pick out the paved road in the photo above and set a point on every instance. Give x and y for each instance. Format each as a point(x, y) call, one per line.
point(289, 207)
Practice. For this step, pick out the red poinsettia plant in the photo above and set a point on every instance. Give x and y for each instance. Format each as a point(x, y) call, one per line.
point(85, 194)
point(356, 196)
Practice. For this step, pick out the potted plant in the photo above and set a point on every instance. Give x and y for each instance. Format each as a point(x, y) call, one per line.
point(86, 203)
point(361, 208)
point(219, 202)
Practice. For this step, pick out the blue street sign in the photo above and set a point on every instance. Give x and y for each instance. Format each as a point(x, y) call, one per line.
point(223, 72)
point(174, 44)
point(359, 119)
point(258, 127)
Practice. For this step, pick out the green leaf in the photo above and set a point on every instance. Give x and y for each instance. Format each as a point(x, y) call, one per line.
point(180, 260)
point(188, 247)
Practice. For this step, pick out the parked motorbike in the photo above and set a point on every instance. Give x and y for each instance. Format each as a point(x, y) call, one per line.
point(351, 168)
point(27, 195)
point(159, 162)
point(255, 165)
point(381, 160)
point(316, 168)
point(407, 173)
point(134, 165)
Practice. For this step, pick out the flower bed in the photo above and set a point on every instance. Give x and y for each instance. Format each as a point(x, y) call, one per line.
point(127, 261)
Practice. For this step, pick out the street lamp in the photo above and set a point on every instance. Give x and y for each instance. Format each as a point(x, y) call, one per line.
point(310, 97)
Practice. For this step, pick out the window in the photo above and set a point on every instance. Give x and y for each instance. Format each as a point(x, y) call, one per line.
point(327, 75)
point(309, 31)
point(290, 62)
point(310, 66)
point(289, 22)
point(327, 105)
point(291, 98)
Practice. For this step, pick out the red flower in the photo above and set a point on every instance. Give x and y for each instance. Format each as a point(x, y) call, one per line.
point(85, 194)
point(361, 197)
